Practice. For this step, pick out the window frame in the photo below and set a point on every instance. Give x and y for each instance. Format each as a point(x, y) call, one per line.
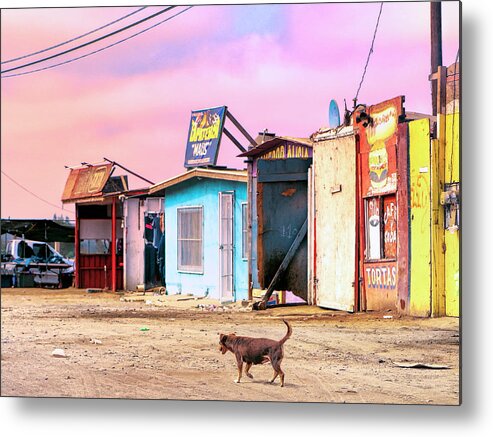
point(244, 231)
point(383, 256)
point(198, 270)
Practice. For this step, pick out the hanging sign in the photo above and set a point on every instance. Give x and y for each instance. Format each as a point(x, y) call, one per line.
point(204, 136)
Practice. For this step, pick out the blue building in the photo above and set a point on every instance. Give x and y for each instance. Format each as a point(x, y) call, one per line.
point(205, 228)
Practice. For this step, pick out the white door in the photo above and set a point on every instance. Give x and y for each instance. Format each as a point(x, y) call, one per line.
point(226, 246)
point(334, 163)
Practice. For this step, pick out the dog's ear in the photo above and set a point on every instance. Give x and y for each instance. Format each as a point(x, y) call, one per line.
point(222, 338)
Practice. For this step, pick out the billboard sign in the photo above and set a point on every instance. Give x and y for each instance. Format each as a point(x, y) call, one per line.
point(204, 136)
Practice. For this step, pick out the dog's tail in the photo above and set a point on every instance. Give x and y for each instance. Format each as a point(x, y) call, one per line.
point(288, 334)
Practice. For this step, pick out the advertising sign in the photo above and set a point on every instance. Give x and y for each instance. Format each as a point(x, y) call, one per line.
point(378, 143)
point(204, 136)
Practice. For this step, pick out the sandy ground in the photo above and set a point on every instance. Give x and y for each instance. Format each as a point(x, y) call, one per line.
point(156, 347)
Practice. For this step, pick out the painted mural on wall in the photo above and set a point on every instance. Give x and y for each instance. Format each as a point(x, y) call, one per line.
point(378, 143)
point(204, 136)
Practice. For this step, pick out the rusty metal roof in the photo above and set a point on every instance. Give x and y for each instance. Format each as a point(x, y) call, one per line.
point(273, 143)
point(228, 175)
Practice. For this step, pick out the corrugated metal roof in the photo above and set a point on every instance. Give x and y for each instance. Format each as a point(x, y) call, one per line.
point(229, 175)
point(274, 142)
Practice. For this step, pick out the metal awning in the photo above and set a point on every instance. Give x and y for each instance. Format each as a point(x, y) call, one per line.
point(39, 230)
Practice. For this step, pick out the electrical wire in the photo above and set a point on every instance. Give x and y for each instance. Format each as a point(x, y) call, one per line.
point(34, 194)
point(73, 39)
point(101, 49)
point(369, 54)
point(89, 42)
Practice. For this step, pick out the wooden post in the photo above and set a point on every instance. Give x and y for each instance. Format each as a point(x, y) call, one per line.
point(436, 46)
point(249, 227)
point(77, 248)
point(113, 244)
point(241, 128)
point(234, 140)
point(437, 186)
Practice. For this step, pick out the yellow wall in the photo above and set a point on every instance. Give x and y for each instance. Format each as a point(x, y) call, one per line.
point(420, 217)
point(452, 265)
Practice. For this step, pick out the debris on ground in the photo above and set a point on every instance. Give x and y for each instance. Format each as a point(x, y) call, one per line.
point(421, 365)
point(96, 341)
point(58, 353)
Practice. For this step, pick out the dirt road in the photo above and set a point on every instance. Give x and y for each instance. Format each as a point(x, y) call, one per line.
point(331, 357)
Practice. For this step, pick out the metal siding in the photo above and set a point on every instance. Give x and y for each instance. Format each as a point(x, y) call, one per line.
point(282, 210)
point(92, 271)
point(420, 223)
point(452, 240)
point(335, 164)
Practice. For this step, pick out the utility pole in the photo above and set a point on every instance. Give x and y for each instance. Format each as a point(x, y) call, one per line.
point(436, 47)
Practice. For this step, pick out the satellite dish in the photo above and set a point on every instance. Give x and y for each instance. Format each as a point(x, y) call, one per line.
point(334, 117)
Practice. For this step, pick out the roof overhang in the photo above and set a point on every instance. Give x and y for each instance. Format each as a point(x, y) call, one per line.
point(225, 175)
point(269, 145)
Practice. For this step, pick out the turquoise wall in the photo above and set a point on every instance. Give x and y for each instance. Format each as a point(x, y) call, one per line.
point(205, 193)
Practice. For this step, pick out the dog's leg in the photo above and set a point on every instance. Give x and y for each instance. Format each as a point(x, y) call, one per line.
point(276, 364)
point(239, 362)
point(281, 373)
point(247, 370)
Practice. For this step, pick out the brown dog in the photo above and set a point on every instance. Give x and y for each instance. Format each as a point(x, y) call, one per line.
point(251, 351)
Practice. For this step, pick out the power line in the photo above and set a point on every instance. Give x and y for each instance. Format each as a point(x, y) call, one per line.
point(369, 54)
point(73, 39)
point(101, 49)
point(33, 194)
point(90, 42)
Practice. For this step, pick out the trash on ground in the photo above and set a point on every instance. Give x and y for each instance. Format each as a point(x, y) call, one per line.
point(388, 317)
point(94, 290)
point(144, 328)
point(59, 353)
point(96, 341)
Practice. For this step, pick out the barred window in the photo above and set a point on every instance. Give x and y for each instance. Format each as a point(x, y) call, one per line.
point(244, 231)
point(190, 243)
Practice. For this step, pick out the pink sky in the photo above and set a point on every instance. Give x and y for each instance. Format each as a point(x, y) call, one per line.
point(274, 66)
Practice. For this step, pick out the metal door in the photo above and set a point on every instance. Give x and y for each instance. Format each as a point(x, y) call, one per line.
point(335, 225)
point(226, 246)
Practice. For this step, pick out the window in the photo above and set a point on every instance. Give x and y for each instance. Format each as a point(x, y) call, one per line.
point(244, 231)
point(95, 247)
point(190, 244)
point(381, 227)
